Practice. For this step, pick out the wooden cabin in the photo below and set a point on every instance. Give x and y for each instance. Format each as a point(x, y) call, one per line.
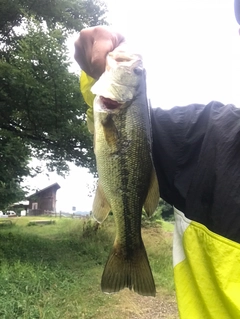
point(43, 201)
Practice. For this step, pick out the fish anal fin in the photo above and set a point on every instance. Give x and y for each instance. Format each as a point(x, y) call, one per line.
point(152, 199)
point(133, 273)
point(101, 207)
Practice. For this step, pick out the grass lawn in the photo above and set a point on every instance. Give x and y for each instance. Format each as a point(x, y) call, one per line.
point(54, 271)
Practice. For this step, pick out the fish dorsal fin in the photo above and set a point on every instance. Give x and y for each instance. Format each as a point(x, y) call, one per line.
point(101, 207)
point(152, 199)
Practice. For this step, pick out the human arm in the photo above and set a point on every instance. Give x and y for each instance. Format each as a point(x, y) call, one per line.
point(196, 157)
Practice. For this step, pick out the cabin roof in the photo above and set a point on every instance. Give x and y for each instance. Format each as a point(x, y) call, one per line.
point(55, 185)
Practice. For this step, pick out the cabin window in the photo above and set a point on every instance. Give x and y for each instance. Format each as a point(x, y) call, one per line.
point(34, 205)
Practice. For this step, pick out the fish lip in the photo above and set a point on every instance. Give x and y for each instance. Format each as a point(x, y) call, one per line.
point(109, 104)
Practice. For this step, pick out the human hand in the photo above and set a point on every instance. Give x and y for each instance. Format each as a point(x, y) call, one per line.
point(92, 47)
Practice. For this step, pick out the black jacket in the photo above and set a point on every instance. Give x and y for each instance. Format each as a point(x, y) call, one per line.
point(196, 153)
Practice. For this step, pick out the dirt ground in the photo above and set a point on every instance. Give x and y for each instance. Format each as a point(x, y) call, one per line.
point(133, 306)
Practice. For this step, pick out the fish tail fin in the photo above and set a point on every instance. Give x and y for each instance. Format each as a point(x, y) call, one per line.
point(131, 272)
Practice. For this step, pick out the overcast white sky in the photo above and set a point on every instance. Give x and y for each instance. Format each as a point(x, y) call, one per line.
point(191, 51)
point(191, 48)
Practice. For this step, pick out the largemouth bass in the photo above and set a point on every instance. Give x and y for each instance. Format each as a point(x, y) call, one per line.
point(127, 179)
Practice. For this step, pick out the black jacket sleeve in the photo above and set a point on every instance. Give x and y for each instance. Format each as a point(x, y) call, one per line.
point(196, 153)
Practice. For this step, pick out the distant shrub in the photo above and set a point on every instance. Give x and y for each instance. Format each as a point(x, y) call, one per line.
point(167, 211)
point(90, 228)
point(41, 222)
point(164, 211)
point(6, 223)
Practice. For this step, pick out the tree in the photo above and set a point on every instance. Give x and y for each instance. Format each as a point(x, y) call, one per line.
point(13, 159)
point(167, 211)
point(67, 14)
point(41, 102)
point(42, 113)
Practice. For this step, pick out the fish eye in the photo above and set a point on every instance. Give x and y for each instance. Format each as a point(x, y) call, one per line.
point(138, 71)
point(120, 59)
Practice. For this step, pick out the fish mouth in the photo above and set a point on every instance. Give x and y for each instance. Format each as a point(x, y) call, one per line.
point(110, 104)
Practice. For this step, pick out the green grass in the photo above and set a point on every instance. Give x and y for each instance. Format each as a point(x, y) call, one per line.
point(54, 271)
point(167, 226)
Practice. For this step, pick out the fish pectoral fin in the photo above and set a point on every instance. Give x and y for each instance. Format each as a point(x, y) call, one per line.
point(133, 273)
point(101, 207)
point(110, 130)
point(152, 199)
